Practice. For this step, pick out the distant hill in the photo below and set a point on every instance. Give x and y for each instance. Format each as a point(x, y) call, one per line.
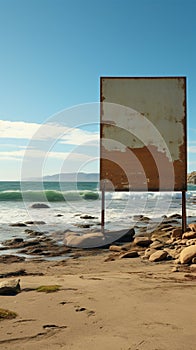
point(73, 177)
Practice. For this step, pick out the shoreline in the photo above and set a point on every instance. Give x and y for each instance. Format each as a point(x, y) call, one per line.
point(108, 298)
point(31, 241)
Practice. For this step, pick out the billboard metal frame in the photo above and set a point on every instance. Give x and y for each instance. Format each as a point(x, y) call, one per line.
point(179, 164)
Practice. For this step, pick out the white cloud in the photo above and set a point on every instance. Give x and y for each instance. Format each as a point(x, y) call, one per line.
point(79, 147)
point(17, 130)
point(55, 155)
point(30, 131)
point(80, 137)
point(35, 131)
point(39, 154)
point(12, 155)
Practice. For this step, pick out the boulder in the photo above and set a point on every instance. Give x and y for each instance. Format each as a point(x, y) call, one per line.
point(142, 241)
point(11, 287)
point(145, 219)
point(137, 217)
point(83, 225)
point(35, 222)
point(148, 252)
point(14, 244)
point(176, 216)
point(86, 216)
point(175, 269)
point(13, 241)
point(170, 221)
point(18, 224)
point(97, 239)
point(166, 227)
point(191, 241)
point(156, 245)
point(126, 246)
point(40, 205)
point(189, 234)
point(183, 241)
point(176, 233)
point(111, 257)
point(115, 248)
point(192, 226)
point(170, 241)
point(130, 254)
point(194, 262)
point(34, 234)
point(187, 254)
point(173, 253)
point(159, 255)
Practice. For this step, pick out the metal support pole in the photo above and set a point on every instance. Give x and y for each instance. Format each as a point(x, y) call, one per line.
point(103, 208)
point(183, 211)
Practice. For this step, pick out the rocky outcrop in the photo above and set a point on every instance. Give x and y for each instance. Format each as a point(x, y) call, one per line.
point(191, 178)
point(9, 259)
point(161, 245)
point(41, 246)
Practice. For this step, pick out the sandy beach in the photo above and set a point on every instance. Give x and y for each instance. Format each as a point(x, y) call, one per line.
point(97, 175)
point(125, 304)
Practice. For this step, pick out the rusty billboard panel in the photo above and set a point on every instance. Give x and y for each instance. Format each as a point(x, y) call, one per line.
point(143, 134)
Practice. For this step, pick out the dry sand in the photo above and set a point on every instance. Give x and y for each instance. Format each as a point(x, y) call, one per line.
point(126, 304)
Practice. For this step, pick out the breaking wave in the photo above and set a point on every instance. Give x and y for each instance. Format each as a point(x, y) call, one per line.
point(47, 195)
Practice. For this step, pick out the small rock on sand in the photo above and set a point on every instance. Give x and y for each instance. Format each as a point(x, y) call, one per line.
point(10, 287)
point(159, 255)
point(39, 205)
point(131, 254)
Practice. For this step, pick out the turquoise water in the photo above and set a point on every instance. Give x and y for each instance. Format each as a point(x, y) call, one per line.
point(52, 191)
point(48, 191)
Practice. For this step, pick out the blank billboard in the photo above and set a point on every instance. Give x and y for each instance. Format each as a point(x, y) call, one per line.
point(143, 134)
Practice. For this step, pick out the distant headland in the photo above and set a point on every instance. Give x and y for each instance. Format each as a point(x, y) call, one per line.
point(69, 177)
point(90, 177)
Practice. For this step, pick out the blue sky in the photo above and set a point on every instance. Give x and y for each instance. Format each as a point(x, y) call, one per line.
point(53, 53)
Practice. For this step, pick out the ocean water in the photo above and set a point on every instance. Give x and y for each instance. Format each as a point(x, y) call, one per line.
point(67, 201)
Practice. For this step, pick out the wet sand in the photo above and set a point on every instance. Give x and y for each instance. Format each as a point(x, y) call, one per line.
point(125, 304)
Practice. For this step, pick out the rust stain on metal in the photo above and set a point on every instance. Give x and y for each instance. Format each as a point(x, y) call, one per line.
point(138, 169)
point(149, 159)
